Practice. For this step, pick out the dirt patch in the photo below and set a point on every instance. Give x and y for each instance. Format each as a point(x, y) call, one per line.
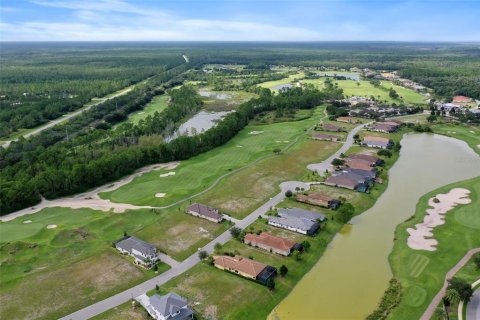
point(67, 289)
point(421, 236)
point(211, 312)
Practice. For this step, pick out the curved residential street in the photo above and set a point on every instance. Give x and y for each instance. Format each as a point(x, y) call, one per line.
point(473, 307)
point(177, 269)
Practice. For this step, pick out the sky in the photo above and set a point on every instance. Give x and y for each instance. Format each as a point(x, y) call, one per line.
point(240, 20)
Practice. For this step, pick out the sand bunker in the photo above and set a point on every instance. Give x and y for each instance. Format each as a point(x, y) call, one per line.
point(160, 195)
point(282, 141)
point(421, 236)
point(255, 132)
point(239, 146)
point(27, 221)
point(171, 173)
point(51, 226)
point(478, 146)
point(471, 131)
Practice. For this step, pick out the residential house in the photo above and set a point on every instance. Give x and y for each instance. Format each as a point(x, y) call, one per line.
point(272, 243)
point(363, 176)
point(326, 137)
point(332, 128)
point(208, 213)
point(168, 307)
point(347, 181)
point(318, 199)
point(377, 142)
point(297, 220)
point(247, 268)
point(387, 126)
point(347, 120)
point(461, 100)
point(144, 254)
point(372, 160)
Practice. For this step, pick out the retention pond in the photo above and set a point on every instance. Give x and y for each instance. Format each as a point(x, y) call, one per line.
point(350, 278)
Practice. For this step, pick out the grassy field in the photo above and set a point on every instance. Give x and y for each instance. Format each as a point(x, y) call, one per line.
point(291, 78)
point(124, 312)
point(196, 174)
point(158, 104)
point(78, 253)
point(422, 273)
point(366, 89)
point(469, 134)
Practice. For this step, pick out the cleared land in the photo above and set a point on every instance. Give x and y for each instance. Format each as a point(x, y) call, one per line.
point(74, 263)
point(422, 273)
point(198, 173)
point(223, 100)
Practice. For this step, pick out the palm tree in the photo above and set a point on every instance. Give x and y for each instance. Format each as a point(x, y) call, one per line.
point(452, 296)
point(439, 314)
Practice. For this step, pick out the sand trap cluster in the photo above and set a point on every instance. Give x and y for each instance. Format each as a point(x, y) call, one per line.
point(255, 132)
point(171, 173)
point(421, 236)
point(27, 221)
point(51, 226)
point(160, 195)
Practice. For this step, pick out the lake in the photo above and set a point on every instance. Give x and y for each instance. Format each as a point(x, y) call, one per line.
point(200, 122)
point(350, 278)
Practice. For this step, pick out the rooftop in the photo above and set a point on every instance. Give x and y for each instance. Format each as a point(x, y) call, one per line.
point(205, 211)
point(169, 304)
point(131, 243)
point(241, 264)
point(271, 241)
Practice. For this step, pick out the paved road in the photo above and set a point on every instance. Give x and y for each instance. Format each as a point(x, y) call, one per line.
point(185, 265)
point(68, 116)
point(438, 298)
point(122, 297)
point(473, 307)
point(320, 168)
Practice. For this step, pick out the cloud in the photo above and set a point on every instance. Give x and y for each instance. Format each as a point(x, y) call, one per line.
point(116, 20)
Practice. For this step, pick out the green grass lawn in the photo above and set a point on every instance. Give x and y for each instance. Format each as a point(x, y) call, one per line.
point(196, 174)
point(467, 133)
point(366, 89)
point(158, 104)
point(291, 78)
point(76, 260)
point(125, 311)
point(422, 273)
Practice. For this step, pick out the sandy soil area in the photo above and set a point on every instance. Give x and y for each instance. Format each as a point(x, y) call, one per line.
point(90, 199)
point(51, 226)
point(171, 173)
point(421, 237)
point(27, 221)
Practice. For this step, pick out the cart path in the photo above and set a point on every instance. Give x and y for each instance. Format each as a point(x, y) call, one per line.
point(438, 298)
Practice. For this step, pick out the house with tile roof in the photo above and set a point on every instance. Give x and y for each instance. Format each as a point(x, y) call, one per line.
point(271, 243)
point(318, 199)
point(245, 267)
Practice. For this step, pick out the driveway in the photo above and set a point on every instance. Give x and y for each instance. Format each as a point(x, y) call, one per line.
point(177, 269)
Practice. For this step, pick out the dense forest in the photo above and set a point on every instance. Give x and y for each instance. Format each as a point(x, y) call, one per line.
point(83, 162)
point(38, 86)
point(98, 146)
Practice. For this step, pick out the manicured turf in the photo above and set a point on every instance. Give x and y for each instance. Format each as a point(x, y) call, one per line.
point(366, 89)
point(76, 260)
point(289, 79)
point(196, 174)
point(422, 273)
point(469, 134)
point(158, 104)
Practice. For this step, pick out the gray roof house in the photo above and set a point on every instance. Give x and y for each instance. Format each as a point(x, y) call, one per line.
point(367, 174)
point(145, 254)
point(300, 213)
point(170, 306)
point(298, 220)
point(205, 212)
